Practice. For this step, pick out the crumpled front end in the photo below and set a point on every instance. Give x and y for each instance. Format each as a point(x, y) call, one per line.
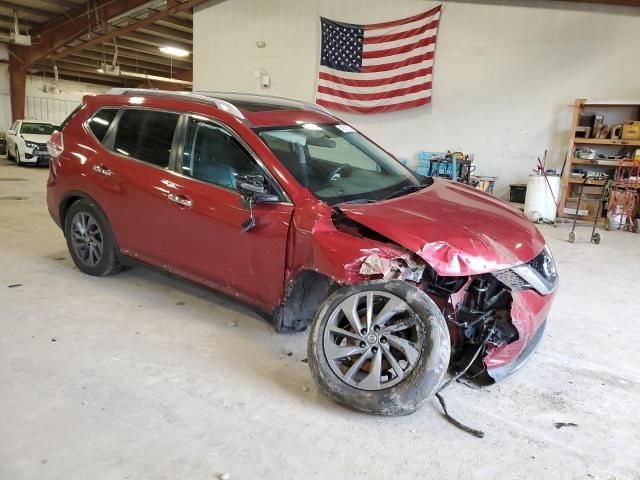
point(503, 314)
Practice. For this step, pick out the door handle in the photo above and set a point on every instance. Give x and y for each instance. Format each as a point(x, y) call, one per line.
point(180, 200)
point(102, 170)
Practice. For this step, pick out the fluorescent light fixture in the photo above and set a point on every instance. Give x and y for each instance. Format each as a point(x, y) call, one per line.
point(174, 51)
point(100, 70)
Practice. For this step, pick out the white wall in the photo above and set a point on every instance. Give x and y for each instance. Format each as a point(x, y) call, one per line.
point(505, 77)
point(45, 99)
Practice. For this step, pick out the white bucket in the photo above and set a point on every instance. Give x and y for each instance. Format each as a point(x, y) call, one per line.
point(539, 204)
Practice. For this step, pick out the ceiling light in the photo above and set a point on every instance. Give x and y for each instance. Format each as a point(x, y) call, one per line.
point(175, 51)
point(100, 70)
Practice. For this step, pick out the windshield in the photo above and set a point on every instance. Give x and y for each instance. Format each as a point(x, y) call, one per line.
point(337, 163)
point(37, 128)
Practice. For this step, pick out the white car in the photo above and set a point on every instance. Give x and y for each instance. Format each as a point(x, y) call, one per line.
point(27, 142)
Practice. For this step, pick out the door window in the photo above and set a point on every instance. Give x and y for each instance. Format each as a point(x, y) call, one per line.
point(146, 135)
point(100, 122)
point(213, 155)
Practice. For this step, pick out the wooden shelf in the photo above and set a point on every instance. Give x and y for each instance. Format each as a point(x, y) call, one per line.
point(607, 141)
point(603, 162)
point(590, 182)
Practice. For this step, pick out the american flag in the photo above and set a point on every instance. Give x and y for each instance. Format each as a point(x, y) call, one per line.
point(380, 67)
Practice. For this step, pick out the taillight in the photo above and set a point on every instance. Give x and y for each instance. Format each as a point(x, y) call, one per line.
point(55, 144)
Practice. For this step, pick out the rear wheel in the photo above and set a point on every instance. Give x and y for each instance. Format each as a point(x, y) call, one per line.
point(572, 237)
point(89, 240)
point(379, 347)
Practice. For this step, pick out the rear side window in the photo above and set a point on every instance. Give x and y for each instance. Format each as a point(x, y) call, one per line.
point(146, 135)
point(100, 122)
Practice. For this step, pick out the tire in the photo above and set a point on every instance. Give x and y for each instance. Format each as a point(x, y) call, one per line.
point(596, 238)
point(572, 237)
point(364, 390)
point(607, 224)
point(636, 225)
point(86, 215)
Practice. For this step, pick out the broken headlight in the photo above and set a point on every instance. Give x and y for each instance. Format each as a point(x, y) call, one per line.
point(539, 274)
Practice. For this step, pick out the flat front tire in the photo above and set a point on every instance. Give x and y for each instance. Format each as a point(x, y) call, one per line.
point(90, 240)
point(380, 347)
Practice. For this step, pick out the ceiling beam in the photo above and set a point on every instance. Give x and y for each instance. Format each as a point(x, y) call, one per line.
point(108, 51)
point(57, 32)
point(177, 24)
point(95, 64)
point(154, 40)
point(168, 33)
point(26, 9)
point(132, 27)
point(91, 58)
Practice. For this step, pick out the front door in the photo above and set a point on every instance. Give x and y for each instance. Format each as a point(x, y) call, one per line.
point(208, 213)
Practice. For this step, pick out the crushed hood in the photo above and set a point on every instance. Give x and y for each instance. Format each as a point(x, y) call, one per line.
point(31, 137)
point(456, 229)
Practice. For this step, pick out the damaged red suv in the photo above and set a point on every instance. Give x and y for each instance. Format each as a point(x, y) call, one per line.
point(399, 277)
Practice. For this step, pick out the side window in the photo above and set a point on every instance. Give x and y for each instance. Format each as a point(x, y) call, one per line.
point(100, 122)
point(146, 135)
point(213, 155)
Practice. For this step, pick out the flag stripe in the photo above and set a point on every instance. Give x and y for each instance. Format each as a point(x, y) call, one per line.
point(393, 51)
point(367, 62)
point(403, 63)
point(380, 109)
point(398, 29)
point(378, 82)
point(393, 37)
point(379, 102)
point(403, 21)
point(375, 96)
point(428, 63)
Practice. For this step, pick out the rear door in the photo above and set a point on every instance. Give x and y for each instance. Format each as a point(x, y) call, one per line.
point(207, 214)
point(133, 175)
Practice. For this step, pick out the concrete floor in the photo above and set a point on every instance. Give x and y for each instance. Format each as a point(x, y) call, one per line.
point(143, 376)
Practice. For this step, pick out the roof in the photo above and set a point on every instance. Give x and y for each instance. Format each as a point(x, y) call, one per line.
point(255, 110)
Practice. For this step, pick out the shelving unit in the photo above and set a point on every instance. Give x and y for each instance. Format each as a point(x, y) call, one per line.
point(614, 113)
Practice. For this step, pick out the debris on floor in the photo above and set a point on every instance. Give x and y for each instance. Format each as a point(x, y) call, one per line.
point(559, 425)
point(14, 285)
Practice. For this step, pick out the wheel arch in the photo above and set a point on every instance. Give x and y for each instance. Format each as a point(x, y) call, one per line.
point(72, 197)
point(303, 297)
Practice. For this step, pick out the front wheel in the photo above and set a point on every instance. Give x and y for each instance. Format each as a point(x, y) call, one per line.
point(379, 347)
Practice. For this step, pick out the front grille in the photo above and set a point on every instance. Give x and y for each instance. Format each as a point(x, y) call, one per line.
point(538, 264)
point(512, 280)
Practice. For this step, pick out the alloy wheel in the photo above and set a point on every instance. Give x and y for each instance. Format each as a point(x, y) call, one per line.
point(372, 340)
point(86, 239)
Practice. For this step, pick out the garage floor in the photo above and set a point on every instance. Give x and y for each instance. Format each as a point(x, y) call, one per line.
point(144, 376)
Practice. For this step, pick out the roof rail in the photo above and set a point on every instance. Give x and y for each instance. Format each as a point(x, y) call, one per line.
point(311, 105)
point(221, 104)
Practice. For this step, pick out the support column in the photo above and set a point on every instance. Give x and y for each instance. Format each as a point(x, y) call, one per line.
point(17, 81)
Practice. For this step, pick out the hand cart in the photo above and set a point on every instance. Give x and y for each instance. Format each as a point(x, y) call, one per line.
point(595, 237)
point(623, 199)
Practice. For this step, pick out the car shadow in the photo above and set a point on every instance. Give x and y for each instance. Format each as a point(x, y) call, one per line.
point(286, 367)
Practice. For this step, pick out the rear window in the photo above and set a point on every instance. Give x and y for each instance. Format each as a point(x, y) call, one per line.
point(100, 122)
point(146, 135)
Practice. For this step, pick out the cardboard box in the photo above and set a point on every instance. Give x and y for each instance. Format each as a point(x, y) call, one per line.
point(588, 207)
point(631, 131)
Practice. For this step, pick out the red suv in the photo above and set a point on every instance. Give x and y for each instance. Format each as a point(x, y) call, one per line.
point(285, 206)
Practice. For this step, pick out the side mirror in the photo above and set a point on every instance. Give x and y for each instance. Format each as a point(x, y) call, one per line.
point(11, 132)
point(254, 189)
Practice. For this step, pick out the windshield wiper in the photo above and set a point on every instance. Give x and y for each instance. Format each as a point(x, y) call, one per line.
point(405, 189)
point(360, 200)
